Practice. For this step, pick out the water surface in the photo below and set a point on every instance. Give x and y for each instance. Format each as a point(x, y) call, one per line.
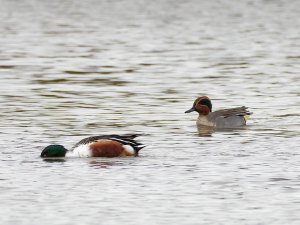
point(70, 69)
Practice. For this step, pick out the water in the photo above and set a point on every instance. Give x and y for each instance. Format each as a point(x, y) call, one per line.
point(70, 69)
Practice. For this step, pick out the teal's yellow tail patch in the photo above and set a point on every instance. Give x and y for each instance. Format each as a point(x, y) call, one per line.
point(246, 117)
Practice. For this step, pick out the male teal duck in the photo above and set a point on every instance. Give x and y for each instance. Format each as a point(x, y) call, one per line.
point(225, 118)
point(98, 146)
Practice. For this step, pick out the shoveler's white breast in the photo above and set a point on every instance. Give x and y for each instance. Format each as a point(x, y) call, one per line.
point(80, 151)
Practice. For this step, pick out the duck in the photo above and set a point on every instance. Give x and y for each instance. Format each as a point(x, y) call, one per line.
point(224, 118)
point(97, 146)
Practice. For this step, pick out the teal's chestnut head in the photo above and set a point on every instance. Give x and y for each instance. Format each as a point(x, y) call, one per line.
point(202, 105)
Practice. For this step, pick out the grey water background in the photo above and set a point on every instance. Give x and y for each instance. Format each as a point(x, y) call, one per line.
point(71, 69)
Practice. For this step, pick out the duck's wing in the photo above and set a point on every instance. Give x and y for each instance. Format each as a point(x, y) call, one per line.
point(227, 118)
point(238, 111)
point(127, 139)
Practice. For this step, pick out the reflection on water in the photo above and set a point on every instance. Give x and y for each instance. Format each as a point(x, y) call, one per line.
point(107, 163)
point(100, 165)
point(72, 69)
point(54, 160)
point(205, 131)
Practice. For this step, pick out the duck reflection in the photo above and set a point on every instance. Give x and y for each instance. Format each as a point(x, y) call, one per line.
point(205, 131)
point(104, 164)
point(54, 159)
point(99, 164)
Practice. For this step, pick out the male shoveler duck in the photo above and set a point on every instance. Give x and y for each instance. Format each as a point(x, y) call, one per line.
point(97, 146)
point(225, 118)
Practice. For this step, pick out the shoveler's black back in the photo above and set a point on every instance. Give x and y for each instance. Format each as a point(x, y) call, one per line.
point(123, 139)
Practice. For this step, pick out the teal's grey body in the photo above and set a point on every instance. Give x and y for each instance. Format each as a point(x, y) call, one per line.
point(226, 118)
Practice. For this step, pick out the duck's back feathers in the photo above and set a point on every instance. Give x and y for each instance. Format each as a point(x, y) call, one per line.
point(238, 111)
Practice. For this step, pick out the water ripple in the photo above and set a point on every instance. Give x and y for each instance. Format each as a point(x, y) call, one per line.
point(70, 69)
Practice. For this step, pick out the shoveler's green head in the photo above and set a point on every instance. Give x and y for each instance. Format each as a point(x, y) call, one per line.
point(54, 151)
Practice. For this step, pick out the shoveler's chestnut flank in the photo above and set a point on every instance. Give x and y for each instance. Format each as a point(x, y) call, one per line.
point(225, 118)
point(98, 146)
